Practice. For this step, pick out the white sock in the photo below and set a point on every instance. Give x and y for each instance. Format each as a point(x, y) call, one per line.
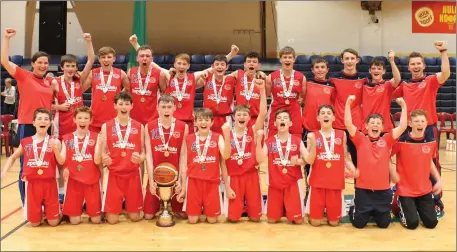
point(61, 190)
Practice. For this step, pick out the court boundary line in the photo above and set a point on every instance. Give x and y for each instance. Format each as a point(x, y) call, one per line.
point(9, 185)
point(11, 213)
point(14, 230)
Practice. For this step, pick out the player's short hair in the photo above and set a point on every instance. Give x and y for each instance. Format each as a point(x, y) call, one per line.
point(418, 112)
point(220, 57)
point(82, 109)
point(8, 80)
point(42, 111)
point(280, 111)
point(242, 108)
point(349, 50)
point(286, 50)
point(183, 56)
point(68, 58)
point(123, 96)
point(252, 55)
point(106, 50)
point(325, 106)
point(376, 61)
point(38, 55)
point(203, 113)
point(374, 116)
point(415, 55)
point(166, 99)
point(144, 48)
point(318, 60)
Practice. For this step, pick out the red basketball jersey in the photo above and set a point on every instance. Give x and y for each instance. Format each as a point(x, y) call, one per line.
point(275, 177)
point(345, 86)
point(145, 108)
point(413, 167)
point(123, 166)
point(317, 93)
point(226, 93)
point(210, 169)
point(376, 99)
point(31, 171)
point(243, 94)
point(249, 157)
point(373, 161)
point(66, 124)
point(174, 143)
point(184, 111)
point(90, 172)
point(277, 92)
point(103, 110)
point(328, 173)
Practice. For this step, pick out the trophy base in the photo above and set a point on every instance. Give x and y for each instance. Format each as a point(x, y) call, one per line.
point(165, 220)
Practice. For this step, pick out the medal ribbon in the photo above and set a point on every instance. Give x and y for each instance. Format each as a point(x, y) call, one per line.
point(180, 93)
point(329, 151)
point(287, 91)
point(123, 141)
point(284, 158)
point(248, 90)
point(202, 156)
point(217, 94)
point(80, 154)
point(162, 136)
point(105, 86)
point(39, 160)
point(70, 99)
point(146, 81)
point(239, 149)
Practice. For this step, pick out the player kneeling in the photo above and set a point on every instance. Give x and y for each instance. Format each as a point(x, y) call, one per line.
point(285, 154)
point(415, 151)
point(39, 173)
point(326, 177)
point(201, 180)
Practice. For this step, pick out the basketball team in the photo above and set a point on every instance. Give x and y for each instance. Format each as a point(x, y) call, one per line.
point(145, 118)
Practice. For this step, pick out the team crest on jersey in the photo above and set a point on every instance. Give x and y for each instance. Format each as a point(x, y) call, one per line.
point(272, 148)
point(338, 140)
point(326, 90)
point(134, 131)
point(358, 84)
point(176, 134)
point(423, 84)
point(97, 76)
point(248, 139)
point(319, 144)
point(381, 143)
point(173, 84)
point(380, 89)
point(212, 144)
point(293, 147)
point(227, 87)
point(91, 142)
point(426, 149)
point(155, 134)
point(69, 143)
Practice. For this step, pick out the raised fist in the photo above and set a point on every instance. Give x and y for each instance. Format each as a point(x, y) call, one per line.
point(350, 99)
point(234, 50)
point(401, 102)
point(9, 32)
point(87, 36)
point(439, 45)
point(133, 39)
point(391, 55)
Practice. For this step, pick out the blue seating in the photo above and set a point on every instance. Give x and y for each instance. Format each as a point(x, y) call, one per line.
point(330, 59)
point(237, 63)
point(366, 60)
point(17, 59)
point(197, 62)
point(159, 59)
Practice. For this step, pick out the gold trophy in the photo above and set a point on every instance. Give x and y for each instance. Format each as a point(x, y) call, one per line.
point(165, 176)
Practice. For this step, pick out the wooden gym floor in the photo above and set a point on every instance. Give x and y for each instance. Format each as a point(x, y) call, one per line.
point(17, 234)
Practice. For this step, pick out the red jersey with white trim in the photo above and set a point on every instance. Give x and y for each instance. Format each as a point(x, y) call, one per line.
point(103, 110)
point(373, 161)
point(242, 95)
point(90, 172)
point(225, 105)
point(317, 93)
point(145, 108)
point(210, 169)
point(277, 92)
point(249, 157)
point(346, 85)
point(66, 124)
point(327, 172)
point(32, 171)
point(174, 142)
point(376, 98)
point(184, 112)
point(276, 178)
point(123, 166)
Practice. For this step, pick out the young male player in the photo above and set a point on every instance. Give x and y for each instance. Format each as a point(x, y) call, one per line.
point(39, 171)
point(243, 176)
point(82, 173)
point(420, 93)
point(348, 82)
point(164, 138)
point(123, 154)
point(286, 154)
point(106, 81)
point(286, 86)
point(326, 178)
point(377, 94)
point(415, 151)
point(373, 195)
point(206, 152)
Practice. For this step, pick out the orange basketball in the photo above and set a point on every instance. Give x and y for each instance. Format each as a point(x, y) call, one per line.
point(165, 174)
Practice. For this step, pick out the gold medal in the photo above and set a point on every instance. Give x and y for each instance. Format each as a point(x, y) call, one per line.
point(104, 97)
point(79, 167)
point(284, 171)
point(40, 172)
point(123, 154)
point(328, 165)
point(166, 153)
point(179, 105)
point(142, 99)
point(287, 102)
point(203, 167)
point(240, 161)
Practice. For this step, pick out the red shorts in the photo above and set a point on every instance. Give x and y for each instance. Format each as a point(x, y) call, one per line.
point(95, 129)
point(117, 188)
point(152, 203)
point(41, 192)
point(77, 193)
point(246, 188)
point(202, 194)
point(332, 200)
point(218, 121)
point(295, 113)
point(290, 198)
point(190, 125)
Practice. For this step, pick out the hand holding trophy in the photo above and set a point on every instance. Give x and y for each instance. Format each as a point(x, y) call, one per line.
point(165, 175)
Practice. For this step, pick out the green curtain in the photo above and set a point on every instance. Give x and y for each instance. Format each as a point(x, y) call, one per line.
point(138, 28)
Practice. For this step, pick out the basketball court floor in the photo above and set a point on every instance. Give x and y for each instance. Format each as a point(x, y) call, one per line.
point(19, 235)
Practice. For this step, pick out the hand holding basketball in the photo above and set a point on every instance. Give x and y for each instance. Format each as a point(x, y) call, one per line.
point(401, 102)
point(437, 188)
point(230, 193)
point(133, 39)
point(9, 33)
point(391, 55)
point(136, 158)
point(234, 51)
point(439, 45)
point(87, 37)
point(350, 99)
